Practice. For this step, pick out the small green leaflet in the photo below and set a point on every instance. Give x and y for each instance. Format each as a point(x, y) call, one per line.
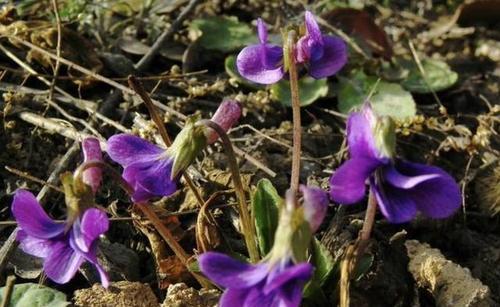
point(35, 295)
point(223, 33)
point(265, 204)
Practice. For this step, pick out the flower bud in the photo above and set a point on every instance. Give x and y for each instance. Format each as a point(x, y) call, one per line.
point(187, 145)
point(92, 152)
point(315, 204)
point(226, 116)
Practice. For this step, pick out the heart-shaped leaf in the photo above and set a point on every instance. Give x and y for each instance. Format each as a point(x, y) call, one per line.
point(387, 98)
point(35, 295)
point(223, 33)
point(438, 77)
point(265, 204)
point(309, 91)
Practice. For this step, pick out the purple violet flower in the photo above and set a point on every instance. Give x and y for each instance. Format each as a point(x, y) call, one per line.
point(401, 188)
point(147, 167)
point(152, 171)
point(265, 284)
point(63, 251)
point(263, 63)
point(92, 152)
point(278, 280)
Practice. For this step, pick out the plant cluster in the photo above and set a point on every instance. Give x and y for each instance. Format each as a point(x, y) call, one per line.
point(274, 275)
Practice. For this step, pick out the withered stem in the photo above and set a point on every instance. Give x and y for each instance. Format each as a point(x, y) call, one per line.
point(245, 217)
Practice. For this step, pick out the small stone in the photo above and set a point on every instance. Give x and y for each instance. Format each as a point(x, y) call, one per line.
point(180, 295)
point(119, 294)
point(450, 284)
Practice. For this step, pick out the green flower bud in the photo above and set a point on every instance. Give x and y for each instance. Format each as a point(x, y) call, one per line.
point(187, 145)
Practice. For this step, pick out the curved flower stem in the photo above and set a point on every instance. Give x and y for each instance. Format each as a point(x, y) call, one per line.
point(371, 210)
point(297, 129)
point(148, 212)
point(155, 116)
point(246, 220)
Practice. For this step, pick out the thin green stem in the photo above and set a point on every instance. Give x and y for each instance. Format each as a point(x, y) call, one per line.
point(245, 217)
point(297, 129)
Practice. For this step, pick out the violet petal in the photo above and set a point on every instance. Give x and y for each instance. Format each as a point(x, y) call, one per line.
point(438, 197)
point(261, 63)
point(233, 297)
point(360, 138)
point(150, 179)
point(261, 31)
point(126, 149)
point(298, 272)
point(92, 258)
point(334, 57)
point(395, 178)
point(396, 204)
point(230, 273)
point(32, 218)
point(291, 293)
point(315, 41)
point(34, 246)
point(315, 205)
point(348, 183)
point(256, 297)
point(62, 263)
point(93, 223)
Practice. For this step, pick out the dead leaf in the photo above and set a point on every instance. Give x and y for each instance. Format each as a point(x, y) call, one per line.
point(479, 11)
point(133, 46)
point(171, 270)
point(361, 25)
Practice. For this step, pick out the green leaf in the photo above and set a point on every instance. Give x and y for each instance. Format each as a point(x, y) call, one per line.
point(392, 100)
point(363, 266)
point(230, 66)
point(314, 295)
point(223, 33)
point(322, 260)
point(35, 295)
point(438, 75)
point(387, 98)
point(309, 91)
point(265, 204)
